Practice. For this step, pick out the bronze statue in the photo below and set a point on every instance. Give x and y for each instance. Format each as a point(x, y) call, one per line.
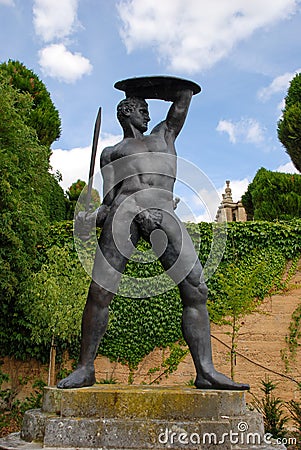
point(139, 175)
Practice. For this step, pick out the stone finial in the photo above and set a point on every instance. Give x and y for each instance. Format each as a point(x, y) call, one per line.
point(228, 192)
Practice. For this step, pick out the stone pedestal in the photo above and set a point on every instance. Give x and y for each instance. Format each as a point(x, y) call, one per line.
point(141, 417)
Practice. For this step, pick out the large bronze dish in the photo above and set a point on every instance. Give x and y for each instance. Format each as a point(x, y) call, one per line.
point(156, 87)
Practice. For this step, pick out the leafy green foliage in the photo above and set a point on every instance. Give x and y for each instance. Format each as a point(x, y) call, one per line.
point(43, 116)
point(237, 286)
point(293, 338)
point(271, 407)
point(273, 196)
point(178, 351)
point(22, 217)
point(108, 381)
point(55, 199)
point(53, 298)
point(294, 407)
point(28, 203)
point(177, 354)
point(237, 289)
point(76, 198)
point(13, 409)
point(157, 319)
point(75, 190)
point(289, 126)
point(35, 108)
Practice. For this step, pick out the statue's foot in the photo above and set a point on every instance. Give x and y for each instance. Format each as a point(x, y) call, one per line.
point(81, 377)
point(217, 380)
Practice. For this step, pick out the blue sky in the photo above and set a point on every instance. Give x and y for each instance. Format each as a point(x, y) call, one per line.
point(243, 53)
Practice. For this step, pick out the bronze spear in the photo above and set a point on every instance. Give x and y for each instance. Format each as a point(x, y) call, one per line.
point(93, 157)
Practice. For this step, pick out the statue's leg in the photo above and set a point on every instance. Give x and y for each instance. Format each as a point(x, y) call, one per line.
point(196, 331)
point(182, 264)
point(109, 264)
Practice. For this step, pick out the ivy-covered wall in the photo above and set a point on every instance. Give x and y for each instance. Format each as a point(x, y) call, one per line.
point(255, 256)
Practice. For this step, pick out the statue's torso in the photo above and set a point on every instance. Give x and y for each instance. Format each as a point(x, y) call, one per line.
point(145, 168)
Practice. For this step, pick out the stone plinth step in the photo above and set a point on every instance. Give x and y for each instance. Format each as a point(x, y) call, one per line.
point(14, 442)
point(153, 402)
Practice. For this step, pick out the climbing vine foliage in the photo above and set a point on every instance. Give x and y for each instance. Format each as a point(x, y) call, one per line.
point(52, 302)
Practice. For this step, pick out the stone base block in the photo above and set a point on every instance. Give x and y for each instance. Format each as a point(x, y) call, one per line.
point(113, 417)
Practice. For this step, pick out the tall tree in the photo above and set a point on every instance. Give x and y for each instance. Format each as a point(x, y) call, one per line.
point(43, 116)
point(289, 126)
point(22, 217)
point(273, 196)
point(27, 205)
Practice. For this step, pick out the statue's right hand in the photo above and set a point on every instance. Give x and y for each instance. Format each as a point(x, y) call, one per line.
point(85, 221)
point(101, 215)
point(83, 224)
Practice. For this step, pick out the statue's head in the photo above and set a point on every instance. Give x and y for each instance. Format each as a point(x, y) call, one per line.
point(134, 111)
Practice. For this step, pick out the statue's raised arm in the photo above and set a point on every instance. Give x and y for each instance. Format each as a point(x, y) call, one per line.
point(178, 111)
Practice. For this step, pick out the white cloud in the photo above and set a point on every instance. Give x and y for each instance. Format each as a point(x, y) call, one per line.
point(74, 164)
point(58, 62)
point(287, 168)
point(227, 127)
point(54, 19)
point(192, 35)
point(279, 84)
point(245, 130)
point(211, 200)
